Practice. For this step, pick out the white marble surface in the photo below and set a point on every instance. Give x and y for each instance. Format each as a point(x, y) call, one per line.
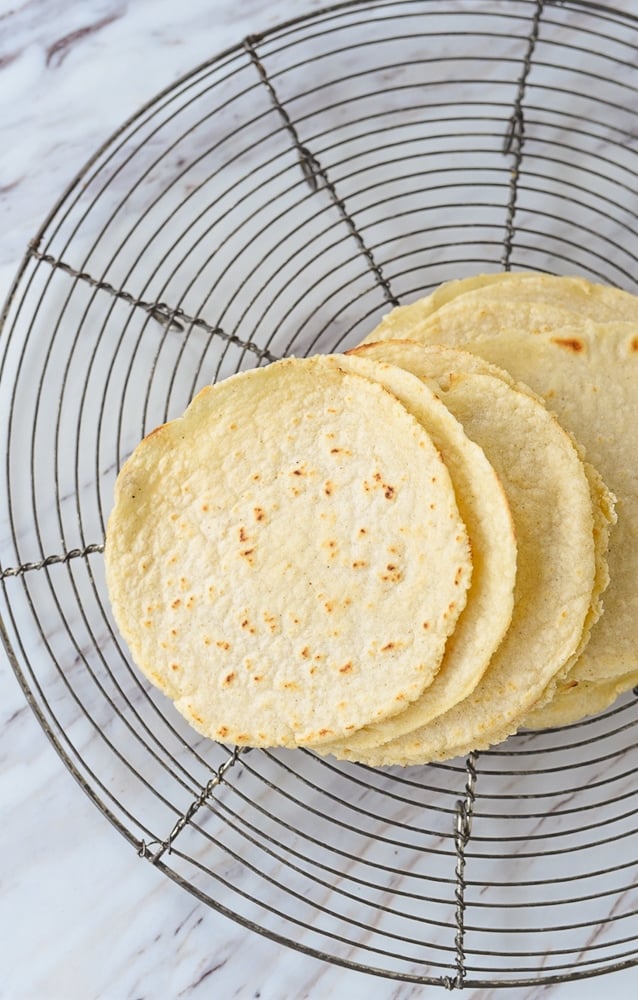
point(81, 916)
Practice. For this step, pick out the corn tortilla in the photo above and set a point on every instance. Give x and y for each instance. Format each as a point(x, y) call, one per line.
point(254, 539)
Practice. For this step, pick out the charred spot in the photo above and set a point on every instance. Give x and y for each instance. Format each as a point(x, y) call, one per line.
point(257, 678)
point(389, 492)
point(328, 487)
point(305, 652)
point(176, 603)
point(569, 343)
point(458, 575)
point(222, 644)
point(392, 574)
point(346, 668)
point(426, 625)
point(174, 666)
point(222, 731)
point(388, 646)
point(259, 513)
point(633, 346)
point(229, 678)
point(243, 537)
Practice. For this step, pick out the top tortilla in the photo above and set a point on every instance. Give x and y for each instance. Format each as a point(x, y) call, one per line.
point(246, 563)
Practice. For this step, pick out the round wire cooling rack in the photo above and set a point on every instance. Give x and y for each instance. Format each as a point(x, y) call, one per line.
point(278, 200)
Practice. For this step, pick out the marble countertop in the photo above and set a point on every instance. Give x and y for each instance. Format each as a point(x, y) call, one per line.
point(80, 915)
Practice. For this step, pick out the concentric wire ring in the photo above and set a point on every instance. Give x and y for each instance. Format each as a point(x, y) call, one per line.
point(278, 200)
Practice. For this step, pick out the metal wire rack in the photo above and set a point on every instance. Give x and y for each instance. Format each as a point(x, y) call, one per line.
point(278, 200)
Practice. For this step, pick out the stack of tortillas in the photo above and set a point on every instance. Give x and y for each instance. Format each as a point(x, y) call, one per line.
point(401, 554)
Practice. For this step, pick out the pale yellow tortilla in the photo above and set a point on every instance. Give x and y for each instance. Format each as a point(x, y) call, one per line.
point(485, 511)
point(489, 304)
point(578, 701)
point(548, 491)
point(254, 541)
point(588, 376)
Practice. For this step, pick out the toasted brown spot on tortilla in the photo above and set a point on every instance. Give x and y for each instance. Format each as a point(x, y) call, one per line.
point(259, 513)
point(328, 488)
point(346, 668)
point(176, 603)
point(570, 343)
